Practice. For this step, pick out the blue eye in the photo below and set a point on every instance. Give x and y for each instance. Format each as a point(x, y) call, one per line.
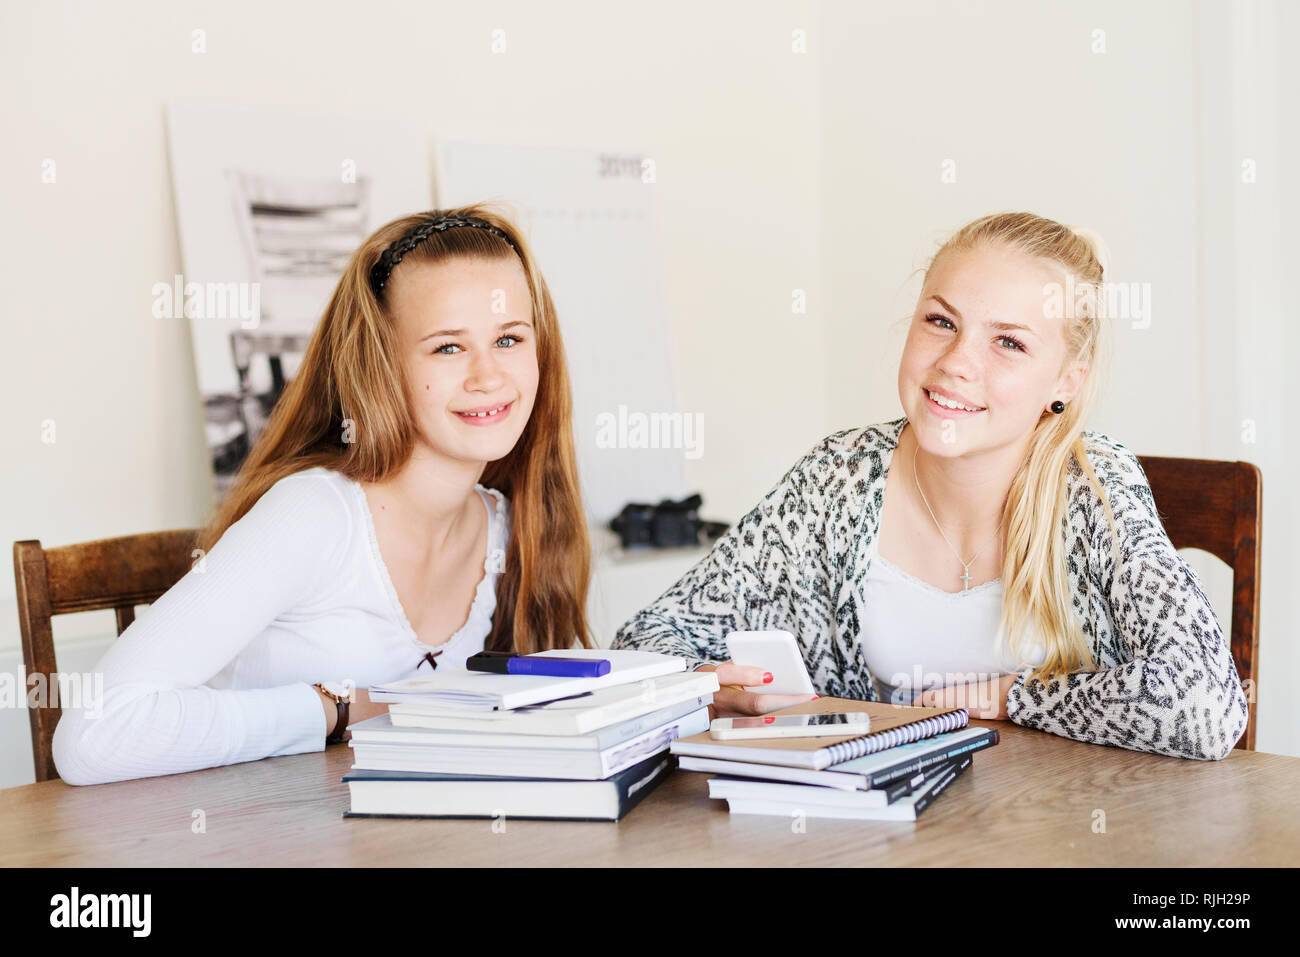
point(1018, 345)
point(446, 349)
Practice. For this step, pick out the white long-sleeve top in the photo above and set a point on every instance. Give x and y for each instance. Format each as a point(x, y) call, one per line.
point(220, 668)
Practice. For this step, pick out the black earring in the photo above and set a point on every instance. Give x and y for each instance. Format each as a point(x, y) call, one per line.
point(1058, 406)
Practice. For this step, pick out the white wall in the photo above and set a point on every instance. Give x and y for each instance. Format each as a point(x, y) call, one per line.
point(777, 171)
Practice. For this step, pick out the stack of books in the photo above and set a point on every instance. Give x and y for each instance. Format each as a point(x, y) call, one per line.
point(472, 744)
point(891, 773)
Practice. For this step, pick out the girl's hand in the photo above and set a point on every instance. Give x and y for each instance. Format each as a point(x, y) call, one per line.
point(731, 699)
point(986, 700)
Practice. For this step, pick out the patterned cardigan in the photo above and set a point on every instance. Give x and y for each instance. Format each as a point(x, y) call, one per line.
point(797, 562)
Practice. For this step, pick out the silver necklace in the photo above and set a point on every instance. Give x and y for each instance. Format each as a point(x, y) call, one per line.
point(965, 576)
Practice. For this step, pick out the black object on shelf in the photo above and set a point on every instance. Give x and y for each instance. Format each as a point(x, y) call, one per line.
point(666, 525)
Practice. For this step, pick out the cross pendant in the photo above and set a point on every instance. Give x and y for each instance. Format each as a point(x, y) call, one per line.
point(965, 580)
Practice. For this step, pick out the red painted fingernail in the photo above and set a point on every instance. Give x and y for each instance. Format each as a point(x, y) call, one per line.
point(816, 696)
point(768, 720)
point(767, 677)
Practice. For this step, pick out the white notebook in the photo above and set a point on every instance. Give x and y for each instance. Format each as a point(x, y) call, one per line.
point(578, 714)
point(477, 690)
point(528, 762)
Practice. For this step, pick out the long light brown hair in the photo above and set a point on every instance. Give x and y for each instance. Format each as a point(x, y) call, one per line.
point(347, 410)
point(1035, 585)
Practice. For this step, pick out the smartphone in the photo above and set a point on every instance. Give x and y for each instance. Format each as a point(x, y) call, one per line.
point(790, 725)
point(774, 651)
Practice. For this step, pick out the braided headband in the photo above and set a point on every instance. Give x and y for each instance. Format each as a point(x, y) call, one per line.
point(417, 234)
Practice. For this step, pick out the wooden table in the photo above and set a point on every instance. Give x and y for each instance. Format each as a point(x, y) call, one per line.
point(1034, 799)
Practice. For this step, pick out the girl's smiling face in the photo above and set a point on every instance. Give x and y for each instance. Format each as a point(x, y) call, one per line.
point(466, 335)
point(981, 336)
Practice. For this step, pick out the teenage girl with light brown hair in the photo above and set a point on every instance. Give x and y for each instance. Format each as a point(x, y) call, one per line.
point(412, 500)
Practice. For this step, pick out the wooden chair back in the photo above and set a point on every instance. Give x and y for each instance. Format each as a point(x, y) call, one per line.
point(1216, 506)
point(116, 573)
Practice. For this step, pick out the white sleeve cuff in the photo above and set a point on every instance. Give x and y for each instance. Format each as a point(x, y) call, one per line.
point(295, 719)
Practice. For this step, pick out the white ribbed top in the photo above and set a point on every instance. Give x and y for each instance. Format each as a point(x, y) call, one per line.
point(916, 636)
point(219, 669)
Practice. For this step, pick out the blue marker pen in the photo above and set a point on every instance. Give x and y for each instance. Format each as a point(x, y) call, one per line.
point(509, 663)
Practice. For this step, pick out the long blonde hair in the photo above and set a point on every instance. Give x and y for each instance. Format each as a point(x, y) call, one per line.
point(1035, 585)
point(352, 370)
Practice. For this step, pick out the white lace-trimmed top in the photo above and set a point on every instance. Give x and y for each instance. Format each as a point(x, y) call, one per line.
point(469, 638)
point(219, 669)
point(916, 636)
